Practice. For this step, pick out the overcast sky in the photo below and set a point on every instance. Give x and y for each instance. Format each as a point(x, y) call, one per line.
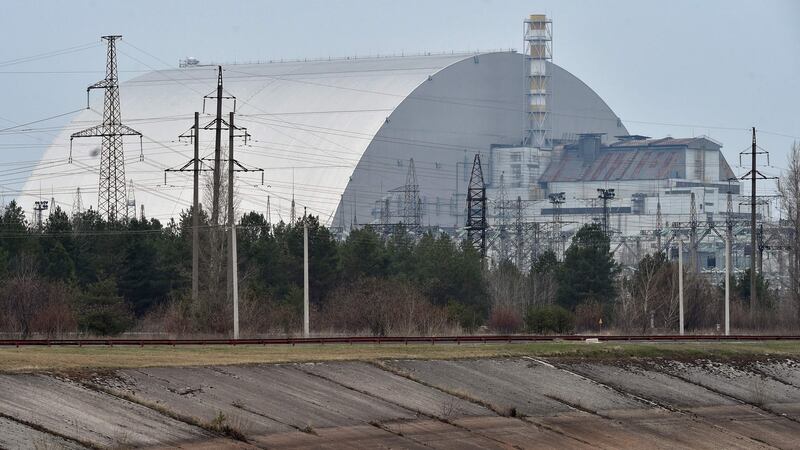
point(678, 68)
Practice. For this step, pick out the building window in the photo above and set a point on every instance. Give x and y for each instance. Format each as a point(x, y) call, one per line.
point(516, 172)
point(516, 157)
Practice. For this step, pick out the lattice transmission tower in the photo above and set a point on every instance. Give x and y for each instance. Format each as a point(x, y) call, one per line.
point(131, 204)
point(412, 204)
point(476, 208)
point(112, 197)
point(77, 203)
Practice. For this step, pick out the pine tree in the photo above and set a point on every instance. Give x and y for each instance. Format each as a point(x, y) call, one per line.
point(588, 271)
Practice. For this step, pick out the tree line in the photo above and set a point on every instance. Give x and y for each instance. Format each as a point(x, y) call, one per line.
point(81, 273)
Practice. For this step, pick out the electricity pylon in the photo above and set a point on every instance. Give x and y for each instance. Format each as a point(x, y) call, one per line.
point(476, 208)
point(112, 202)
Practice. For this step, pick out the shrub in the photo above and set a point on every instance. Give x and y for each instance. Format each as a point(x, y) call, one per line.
point(549, 319)
point(589, 316)
point(382, 308)
point(101, 311)
point(505, 320)
point(30, 305)
point(468, 317)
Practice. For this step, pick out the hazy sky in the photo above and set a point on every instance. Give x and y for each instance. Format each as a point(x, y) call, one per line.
point(677, 68)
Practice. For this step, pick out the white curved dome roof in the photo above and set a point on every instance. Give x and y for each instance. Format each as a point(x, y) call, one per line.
point(323, 130)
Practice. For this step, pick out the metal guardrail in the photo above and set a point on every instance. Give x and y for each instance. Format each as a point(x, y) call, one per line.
point(388, 340)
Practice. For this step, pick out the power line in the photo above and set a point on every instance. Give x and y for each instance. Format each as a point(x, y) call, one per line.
point(50, 54)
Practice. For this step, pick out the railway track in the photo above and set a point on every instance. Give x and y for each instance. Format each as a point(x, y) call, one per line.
point(390, 340)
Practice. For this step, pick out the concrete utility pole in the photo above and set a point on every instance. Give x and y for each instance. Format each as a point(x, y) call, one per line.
point(305, 276)
point(232, 259)
point(753, 172)
point(727, 286)
point(680, 284)
point(196, 211)
point(194, 135)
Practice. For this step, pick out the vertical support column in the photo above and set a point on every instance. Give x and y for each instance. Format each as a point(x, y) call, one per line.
point(196, 211)
point(217, 152)
point(232, 260)
point(305, 277)
point(727, 286)
point(680, 285)
point(659, 223)
point(235, 276)
point(753, 243)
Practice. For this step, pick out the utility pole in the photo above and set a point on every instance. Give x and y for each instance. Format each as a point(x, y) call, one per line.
point(232, 257)
point(519, 235)
point(680, 284)
point(196, 210)
point(727, 285)
point(194, 136)
point(754, 175)
point(292, 213)
point(761, 247)
point(659, 223)
point(753, 275)
point(305, 275)
point(217, 152)
point(112, 202)
point(269, 212)
point(693, 222)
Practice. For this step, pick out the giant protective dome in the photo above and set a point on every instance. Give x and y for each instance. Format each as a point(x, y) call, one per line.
point(335, 134)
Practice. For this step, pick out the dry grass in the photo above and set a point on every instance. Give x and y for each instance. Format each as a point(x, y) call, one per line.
point(44, 359)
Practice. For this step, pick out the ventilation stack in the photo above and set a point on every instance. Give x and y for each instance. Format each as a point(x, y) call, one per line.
point(538, 52)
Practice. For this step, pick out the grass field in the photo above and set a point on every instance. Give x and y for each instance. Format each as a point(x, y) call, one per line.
point(47, 359)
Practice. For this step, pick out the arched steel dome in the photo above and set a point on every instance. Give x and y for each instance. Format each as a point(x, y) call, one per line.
point(335, 134)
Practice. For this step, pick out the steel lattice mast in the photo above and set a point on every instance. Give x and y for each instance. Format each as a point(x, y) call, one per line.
point(476, 208)
point(412, 210)
point(112, 202)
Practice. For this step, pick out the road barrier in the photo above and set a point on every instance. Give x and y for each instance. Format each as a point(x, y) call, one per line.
point(473, 339)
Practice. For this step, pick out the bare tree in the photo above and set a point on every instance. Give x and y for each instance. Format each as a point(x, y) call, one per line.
point(789, 188)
